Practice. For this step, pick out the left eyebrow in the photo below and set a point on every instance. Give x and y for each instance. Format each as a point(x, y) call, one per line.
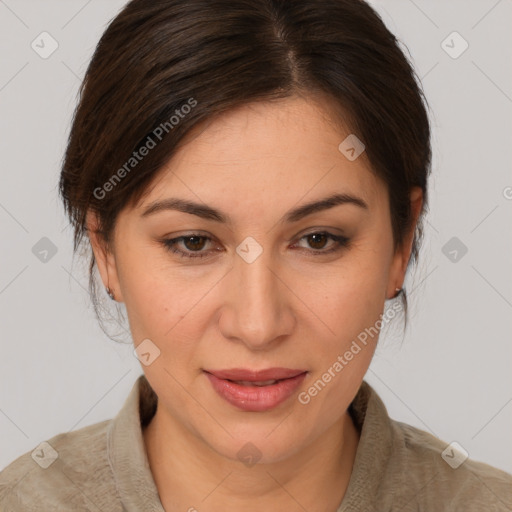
point(207, 212)
point(323, 204)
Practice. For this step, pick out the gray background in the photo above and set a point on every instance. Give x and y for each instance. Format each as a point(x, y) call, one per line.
point(452, 374)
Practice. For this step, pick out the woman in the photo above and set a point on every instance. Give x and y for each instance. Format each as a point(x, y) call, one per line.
point(251, 180)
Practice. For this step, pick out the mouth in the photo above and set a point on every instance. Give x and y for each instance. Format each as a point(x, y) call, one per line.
point(256, 390)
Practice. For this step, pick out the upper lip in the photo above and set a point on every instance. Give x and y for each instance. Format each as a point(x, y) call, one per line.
point(256, 375)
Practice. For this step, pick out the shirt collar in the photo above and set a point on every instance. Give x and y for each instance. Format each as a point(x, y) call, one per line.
point(137, 489)
point(127, 452)
point(374, 451)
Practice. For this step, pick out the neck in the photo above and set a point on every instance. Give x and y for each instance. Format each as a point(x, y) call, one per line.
point(189, 474)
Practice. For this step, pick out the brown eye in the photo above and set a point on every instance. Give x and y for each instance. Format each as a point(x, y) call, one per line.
point(188, 246)
point(194, 243)
point(317, 240)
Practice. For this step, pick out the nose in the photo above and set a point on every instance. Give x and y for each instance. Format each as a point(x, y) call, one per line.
point(258, 304)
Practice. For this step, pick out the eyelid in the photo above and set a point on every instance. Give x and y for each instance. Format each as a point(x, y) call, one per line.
point(170, 243)
point(341, 242)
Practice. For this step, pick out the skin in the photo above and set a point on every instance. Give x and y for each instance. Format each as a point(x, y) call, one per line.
point(289, 308)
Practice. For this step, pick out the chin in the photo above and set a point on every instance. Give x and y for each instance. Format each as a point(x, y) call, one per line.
point(267, 443)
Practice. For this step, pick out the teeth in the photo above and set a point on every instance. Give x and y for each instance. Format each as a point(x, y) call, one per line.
point(260, 383)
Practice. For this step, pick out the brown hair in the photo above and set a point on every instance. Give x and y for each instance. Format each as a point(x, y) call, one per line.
point(164, 66)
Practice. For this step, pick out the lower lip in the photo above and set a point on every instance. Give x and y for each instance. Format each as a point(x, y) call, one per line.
point(256, 398)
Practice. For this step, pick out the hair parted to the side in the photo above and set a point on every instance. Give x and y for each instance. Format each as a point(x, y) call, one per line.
point(158, 56)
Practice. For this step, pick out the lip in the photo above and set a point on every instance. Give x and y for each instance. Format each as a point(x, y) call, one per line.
point(255, 398)
point(255, 375)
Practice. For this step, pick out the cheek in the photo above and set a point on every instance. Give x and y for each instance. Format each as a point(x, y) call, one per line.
point(164, 306)
point(349, 299)
point(352, 310)
point(150, 298)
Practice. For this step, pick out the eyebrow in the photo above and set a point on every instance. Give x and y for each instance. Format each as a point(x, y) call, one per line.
point(207, 212)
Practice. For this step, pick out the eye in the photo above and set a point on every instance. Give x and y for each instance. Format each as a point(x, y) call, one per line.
point(318, 239)
point(193, 243)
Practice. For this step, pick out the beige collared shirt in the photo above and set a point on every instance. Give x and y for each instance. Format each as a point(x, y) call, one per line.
point(104, 467)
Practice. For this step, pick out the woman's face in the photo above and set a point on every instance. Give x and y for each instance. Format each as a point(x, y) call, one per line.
point(257, 287)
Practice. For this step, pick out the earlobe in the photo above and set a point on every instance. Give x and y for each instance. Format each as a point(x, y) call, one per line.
point(104, 257)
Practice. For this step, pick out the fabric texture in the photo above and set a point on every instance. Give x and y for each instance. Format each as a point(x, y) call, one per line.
point(104, 467)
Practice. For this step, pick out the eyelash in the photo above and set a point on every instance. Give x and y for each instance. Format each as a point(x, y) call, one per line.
point(170, 243)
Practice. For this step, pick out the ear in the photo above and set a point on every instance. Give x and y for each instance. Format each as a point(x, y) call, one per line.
point(403, 253)
point(104, 256)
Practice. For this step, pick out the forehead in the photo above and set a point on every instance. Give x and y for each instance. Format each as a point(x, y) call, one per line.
point(281, 151)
